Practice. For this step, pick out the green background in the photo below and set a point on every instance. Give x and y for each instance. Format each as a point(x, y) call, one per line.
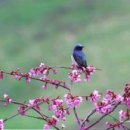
point(35, 31)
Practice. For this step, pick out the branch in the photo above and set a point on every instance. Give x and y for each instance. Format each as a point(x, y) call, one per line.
point(119, 123)
point(53, 82)
point(76, 115)
point(87, 118)
point(43, 117)
point(70, 68)
point(102, 117)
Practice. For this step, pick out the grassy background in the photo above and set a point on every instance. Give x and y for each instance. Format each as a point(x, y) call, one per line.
point(33, 31)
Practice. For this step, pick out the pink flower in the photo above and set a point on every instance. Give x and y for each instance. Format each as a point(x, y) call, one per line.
point(42, 69)
point(21, 109)
point(95, 95)
point(109, 124)
point(1, 124)
point(106, 109)
point(46, 127)
point(55, 71)
point(109, 97)
point(18, 77)
point(103, 108)
point(45, 87)
point(63, 126)
point(8, 99)
point(27, 77)
point(88, 72)
point(50, 122)
point(58, 109)
point(122, 115)
point(1, 74)
point(126, 95)
point(119, 98)
point(34, 72)
point(74, 76)
point(35, 103)
point(37, 71)
point(83, 128)
point(72, 101)
point(127, 102)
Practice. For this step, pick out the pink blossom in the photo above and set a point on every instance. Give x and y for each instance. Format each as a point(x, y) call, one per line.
point(1, 74)
point(109, 124)
point(50, 122)
point(55, 71)
point(106, 109)
point(44, 78)
point(122, 115)
point(18, 77)
point(41, 69)
point(103, 108)
point(58, 109)
point(1, 124)
point(74, 76)
point(33, 72)
point(47, 127)
point(21, 109)
point(83, 128)
point(119, 98)
point(8, 99)
point(126, 95)
point(114, 124)
point(63, 126)
point(45, 87)
point(89, 71)
point(27, 76)
point(109, 97)
point(95, 95)
point(72, 101)
point(73, 66)
point(127, 101)
point(36, 102)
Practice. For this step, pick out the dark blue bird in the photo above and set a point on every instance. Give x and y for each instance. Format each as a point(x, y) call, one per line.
point(79, 56)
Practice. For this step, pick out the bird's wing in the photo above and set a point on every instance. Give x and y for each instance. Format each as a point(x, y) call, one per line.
point(80, 58)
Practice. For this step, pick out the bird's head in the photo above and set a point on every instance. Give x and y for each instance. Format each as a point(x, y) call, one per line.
point(78, 47)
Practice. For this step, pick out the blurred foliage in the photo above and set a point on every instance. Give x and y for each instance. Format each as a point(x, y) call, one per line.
point(35, 31)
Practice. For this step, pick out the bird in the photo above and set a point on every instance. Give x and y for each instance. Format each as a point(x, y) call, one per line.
point(79, 56)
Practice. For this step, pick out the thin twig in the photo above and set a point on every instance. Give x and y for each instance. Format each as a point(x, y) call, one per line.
point(70, 68)
point(102, 117)
point(119, 123)
point(88, 116)
point(44, 117)
point(46, 81)
point(76, 115)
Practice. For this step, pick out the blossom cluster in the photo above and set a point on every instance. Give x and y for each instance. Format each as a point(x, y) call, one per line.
point(56, 105)
point(39, 73)
point(7, 99)
point(72, 101)
point(33, 103)
point(106, 104)
point(42, 69)
point(59, 108)
point(1, 124)
point(75, 74)
point(123, 116)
